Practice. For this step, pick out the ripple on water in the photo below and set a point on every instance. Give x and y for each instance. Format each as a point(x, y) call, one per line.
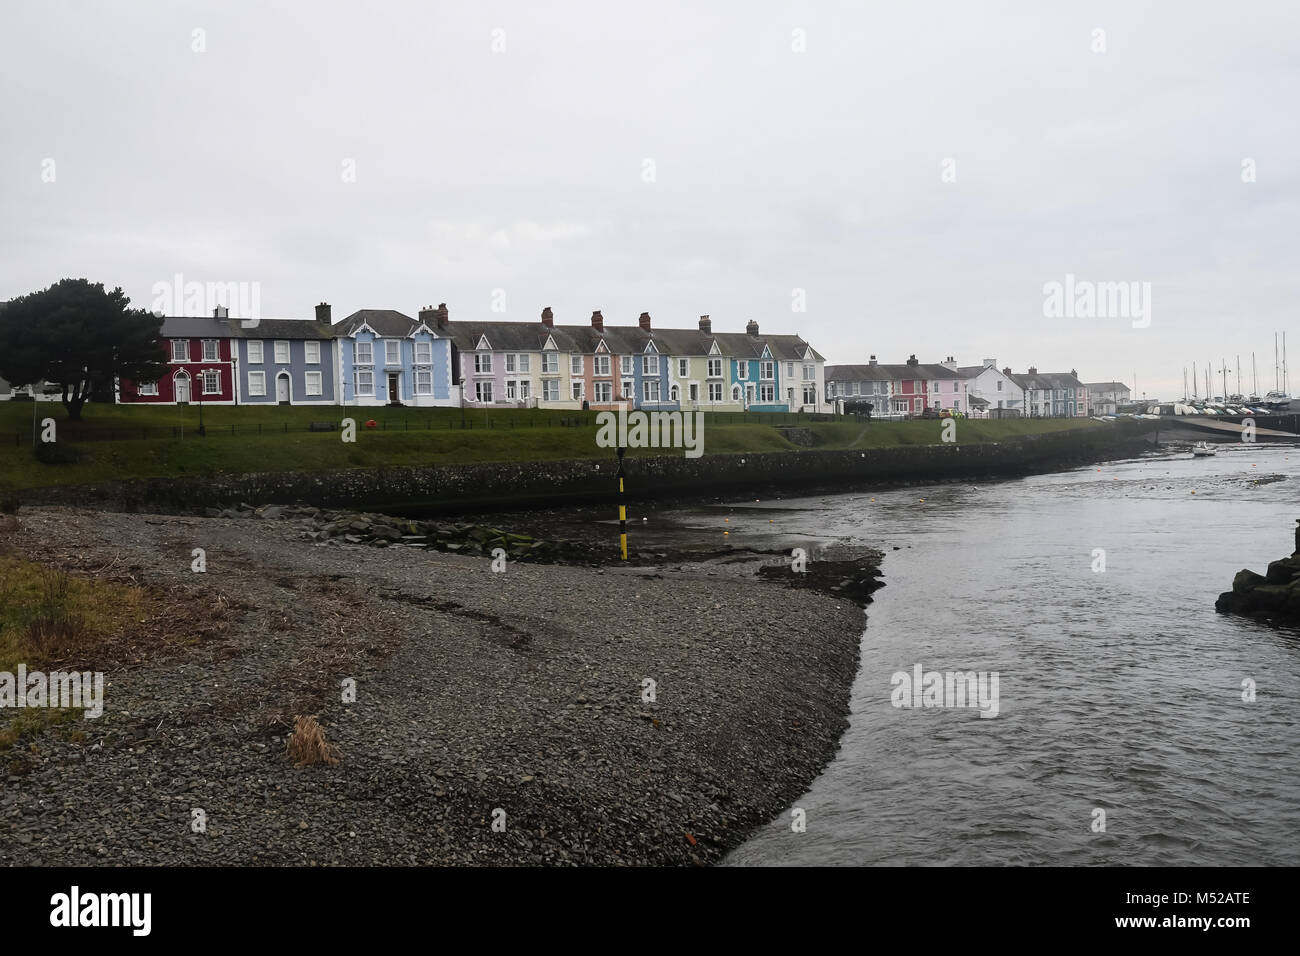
point(1119, 690)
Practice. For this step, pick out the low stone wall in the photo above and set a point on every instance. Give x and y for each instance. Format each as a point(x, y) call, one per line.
point(487, 484)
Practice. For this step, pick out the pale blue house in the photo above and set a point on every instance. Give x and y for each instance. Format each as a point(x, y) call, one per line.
point(387, 358)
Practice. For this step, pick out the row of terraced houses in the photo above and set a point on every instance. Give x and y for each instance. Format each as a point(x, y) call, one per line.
point(383, 357)
point(982, 391)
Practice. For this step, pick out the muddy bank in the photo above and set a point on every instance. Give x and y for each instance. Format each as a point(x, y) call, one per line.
point(521, 697)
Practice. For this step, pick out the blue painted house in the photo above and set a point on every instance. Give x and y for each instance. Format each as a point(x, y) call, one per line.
point(387, 358)
point(285, 361)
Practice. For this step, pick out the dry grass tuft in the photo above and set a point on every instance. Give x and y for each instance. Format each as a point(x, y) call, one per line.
point(57, 625)
point(307, 745)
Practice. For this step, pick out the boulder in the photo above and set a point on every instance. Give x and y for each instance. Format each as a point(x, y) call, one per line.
point(1282, 571)
point(8, 523)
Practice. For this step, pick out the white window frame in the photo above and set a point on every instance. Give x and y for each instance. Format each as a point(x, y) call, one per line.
point(214, 347)
point(313, 383)
point(483, 392)
point(767, 370)
point(650, 390)
point(575, 389)
point(575, 364)
point(214, 375)
point(366, 382)
point(694, 392)
point(423, 379)
point(603, 392)
point(183, 350)
point(625, 365)
point(255, 349)
point(281, 348)
point(510, 364)
point(524, 363)
point(715, 393)
point(482, 363)
point(551, 390)
point(600, 366)
point(392, 352)
point(365, 353)
point(423, 353)
point(715, 368)
point(311, 353)
point(649, 365)
point(742, 371)
point(147, 388)
point(256, 384)
point(550, 363)
point(766, 394)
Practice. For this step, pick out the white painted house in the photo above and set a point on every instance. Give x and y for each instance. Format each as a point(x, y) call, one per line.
point(999, 395)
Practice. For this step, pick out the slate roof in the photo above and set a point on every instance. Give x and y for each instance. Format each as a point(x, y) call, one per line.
point(889, 373)
point(386, 322)
point(1042, 381)
point(281, 329)
point(194, 327)
point(624, 340)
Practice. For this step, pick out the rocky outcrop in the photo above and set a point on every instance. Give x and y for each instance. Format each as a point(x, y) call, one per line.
point(1273, 596)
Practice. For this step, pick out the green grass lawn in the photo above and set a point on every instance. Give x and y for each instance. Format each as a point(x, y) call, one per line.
point(244, 439)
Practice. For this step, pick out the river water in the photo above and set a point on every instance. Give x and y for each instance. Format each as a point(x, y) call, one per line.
point(1118, 690)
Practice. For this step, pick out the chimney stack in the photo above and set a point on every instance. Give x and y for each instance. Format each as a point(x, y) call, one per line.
point(429, 316)
point(911, 360)
point(442, 315)
point(598, 321)
point(706, 325)
point(323, 314)
point(873, 360)
point(1032, 370)
point(644, 321)
point(1007, 371)
point(751, 328)
point(221, 312)
point(548, 318)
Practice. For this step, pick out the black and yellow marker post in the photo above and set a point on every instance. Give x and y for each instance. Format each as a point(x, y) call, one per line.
point(622, 508)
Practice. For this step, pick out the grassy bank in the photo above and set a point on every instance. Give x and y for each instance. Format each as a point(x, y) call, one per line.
point(48, 618)
point(117, 442)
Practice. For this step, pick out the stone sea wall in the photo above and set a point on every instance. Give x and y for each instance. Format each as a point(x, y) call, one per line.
point(486, 484)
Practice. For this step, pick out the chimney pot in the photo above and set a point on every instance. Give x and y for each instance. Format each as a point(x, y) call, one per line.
point(1032, 370)
point(706, 325)
point(752, 327)
point(323, 313)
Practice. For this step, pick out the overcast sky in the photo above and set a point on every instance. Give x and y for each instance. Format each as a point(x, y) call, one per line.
point(791, 146)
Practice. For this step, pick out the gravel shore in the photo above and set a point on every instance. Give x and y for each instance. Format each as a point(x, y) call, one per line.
point(519, 691)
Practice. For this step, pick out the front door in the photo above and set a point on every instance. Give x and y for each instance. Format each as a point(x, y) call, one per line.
point(182, 389)
point(392, 387)
point(282, 389)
